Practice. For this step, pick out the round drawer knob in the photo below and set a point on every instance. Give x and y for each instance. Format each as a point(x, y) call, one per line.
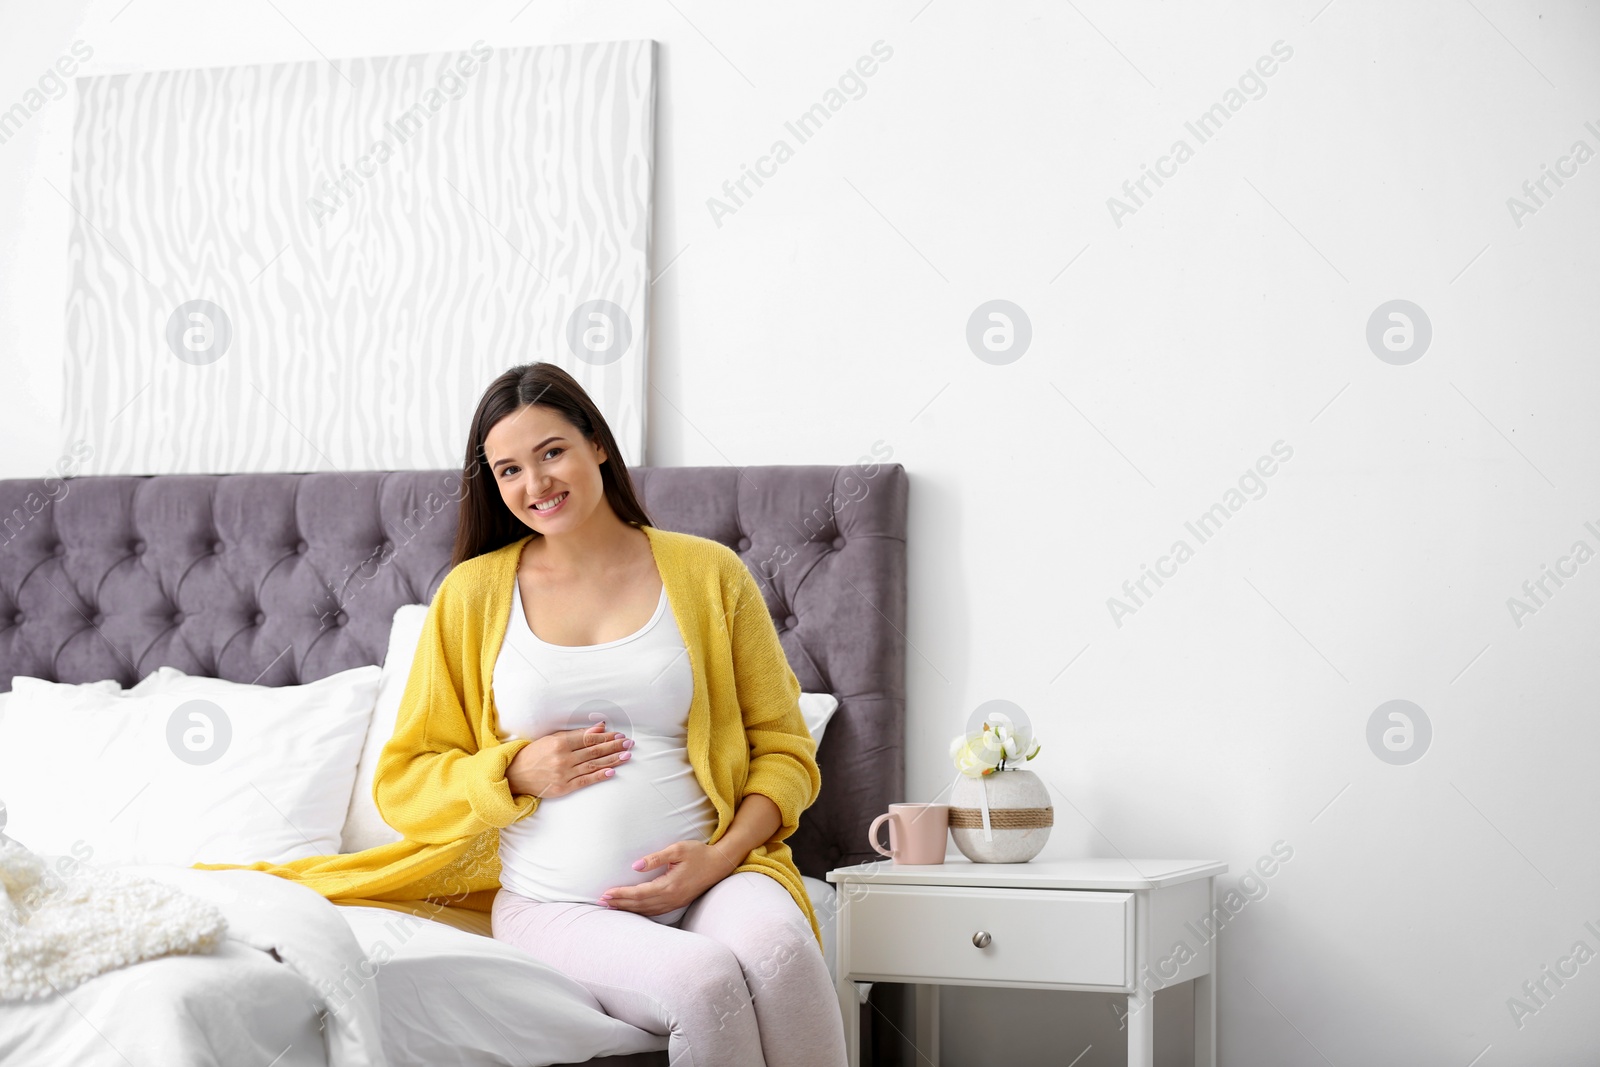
point(981, 939)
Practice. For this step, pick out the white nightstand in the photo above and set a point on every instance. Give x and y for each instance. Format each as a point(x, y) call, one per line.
point(1092, 925)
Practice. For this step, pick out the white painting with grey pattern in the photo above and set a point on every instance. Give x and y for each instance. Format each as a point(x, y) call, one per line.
point(321, 265)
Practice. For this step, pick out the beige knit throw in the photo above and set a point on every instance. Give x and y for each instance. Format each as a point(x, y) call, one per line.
point(62, 922)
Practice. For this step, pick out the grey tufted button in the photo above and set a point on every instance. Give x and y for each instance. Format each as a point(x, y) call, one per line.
point(838, 543)
point(341, 619)
point(386, 547)
point(177, 617)
point(790, 623)
point(138, 548)
point(301, 548)
point(16, 620)
point(744, 544)
point(98, 619)
point(59, 550)
point(261, 617)
point(216, 549)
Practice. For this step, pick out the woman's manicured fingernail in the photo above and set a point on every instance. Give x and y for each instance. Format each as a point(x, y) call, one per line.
point(628, 743)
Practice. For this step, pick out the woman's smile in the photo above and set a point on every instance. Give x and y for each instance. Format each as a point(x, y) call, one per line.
point(560, 501)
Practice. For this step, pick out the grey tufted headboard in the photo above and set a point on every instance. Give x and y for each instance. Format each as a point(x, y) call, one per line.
point(281, 579)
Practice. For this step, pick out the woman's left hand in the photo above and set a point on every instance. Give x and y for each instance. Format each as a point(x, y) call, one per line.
point(692, 868)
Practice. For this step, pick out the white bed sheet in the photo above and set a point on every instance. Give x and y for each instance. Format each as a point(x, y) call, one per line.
point(234, 1006)
point(449, 996)
point(240, 1004)
point(824, 904)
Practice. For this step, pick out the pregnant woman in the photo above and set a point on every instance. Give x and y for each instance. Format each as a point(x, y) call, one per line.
point(600, 745)
point(661, 776)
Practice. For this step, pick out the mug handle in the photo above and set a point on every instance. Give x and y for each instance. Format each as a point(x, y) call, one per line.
point(872, 834)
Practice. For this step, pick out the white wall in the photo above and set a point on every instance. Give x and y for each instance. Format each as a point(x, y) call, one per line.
point(1229, 312)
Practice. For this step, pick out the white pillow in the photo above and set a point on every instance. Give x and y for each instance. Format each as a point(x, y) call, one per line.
point(364, 828)
point(818, 708)
point(120, 776)
point(13, 745)
point(109, 685)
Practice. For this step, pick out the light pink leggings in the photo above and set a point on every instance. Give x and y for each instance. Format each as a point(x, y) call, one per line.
point(739, 981)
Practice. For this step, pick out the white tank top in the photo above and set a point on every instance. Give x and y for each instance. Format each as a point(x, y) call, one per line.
point(577, 846)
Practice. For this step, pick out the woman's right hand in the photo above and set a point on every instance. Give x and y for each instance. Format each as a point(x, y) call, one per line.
point(567, 760)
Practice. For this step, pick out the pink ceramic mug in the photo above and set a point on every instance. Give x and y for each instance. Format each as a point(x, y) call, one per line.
point(917, 832)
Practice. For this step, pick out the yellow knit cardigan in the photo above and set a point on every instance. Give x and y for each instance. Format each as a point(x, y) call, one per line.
point(440, 779)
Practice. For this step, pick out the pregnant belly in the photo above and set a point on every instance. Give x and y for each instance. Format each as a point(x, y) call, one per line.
point(577, 846)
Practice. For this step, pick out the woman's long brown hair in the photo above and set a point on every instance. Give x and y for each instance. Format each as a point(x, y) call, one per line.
point(484, 523)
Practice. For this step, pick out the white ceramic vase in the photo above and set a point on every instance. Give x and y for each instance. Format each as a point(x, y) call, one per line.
point(1020, 816)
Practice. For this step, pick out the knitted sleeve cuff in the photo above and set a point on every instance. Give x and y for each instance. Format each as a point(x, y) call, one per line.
point(488, 792)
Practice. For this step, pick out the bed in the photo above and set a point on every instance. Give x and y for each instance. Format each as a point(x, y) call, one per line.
point(285, 579)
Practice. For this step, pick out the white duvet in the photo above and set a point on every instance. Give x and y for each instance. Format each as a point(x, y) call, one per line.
point(355, 986)
point(258, 999)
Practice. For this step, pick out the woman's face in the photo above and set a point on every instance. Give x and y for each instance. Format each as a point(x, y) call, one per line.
point(538, 457)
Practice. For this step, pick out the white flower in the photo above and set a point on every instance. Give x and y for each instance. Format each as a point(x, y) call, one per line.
point(998, 741)
point(972, 757)
point(1017, 742)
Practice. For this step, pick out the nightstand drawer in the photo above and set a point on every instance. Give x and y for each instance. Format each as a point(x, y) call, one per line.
point(1035, 935)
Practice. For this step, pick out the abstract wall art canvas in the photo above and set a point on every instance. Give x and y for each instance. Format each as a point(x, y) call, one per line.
point(321, 265)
